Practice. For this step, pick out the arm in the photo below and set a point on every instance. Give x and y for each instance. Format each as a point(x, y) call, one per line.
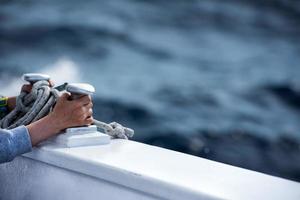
point(14, 142)
point(65, 114)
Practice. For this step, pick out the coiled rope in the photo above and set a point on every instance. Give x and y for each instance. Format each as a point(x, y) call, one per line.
point(40, 101)
point(31, 106)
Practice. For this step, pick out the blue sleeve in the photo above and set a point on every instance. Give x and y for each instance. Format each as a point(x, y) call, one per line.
point(13, 143)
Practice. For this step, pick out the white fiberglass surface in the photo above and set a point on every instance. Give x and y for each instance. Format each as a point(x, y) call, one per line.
point(152, 169)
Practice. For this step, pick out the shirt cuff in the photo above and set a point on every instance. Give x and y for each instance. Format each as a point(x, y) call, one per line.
point(20, 140)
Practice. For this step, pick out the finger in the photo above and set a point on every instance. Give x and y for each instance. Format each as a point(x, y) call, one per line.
point(86, 99)
point(89, 120)
point(89, 105)
point(26, 88)
point(86, 112)
point(51, 83)
point(86, 121)
point(90, 112)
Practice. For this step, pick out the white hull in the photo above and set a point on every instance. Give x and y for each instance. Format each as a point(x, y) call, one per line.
point(130, 170)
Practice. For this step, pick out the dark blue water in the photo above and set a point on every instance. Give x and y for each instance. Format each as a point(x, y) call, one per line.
point(216, 79)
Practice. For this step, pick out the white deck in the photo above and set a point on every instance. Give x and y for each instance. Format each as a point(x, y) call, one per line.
point(157, 173)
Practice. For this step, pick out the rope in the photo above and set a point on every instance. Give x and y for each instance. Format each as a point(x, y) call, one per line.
point(114, 129)
point(33, 106)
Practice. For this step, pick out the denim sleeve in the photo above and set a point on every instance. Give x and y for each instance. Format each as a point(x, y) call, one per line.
point(13, 143)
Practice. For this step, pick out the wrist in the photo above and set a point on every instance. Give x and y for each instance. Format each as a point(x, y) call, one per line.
point(53, 123)
point(11, 103)
point(42, 129)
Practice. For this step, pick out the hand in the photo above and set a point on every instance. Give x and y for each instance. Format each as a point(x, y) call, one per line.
point(70, 113)
point(65, 114)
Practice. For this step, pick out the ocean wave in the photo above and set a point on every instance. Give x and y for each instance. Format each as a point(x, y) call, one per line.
point(287, 94)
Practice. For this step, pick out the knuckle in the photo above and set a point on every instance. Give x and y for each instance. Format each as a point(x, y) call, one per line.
point(89, 120)
point(90, 105)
